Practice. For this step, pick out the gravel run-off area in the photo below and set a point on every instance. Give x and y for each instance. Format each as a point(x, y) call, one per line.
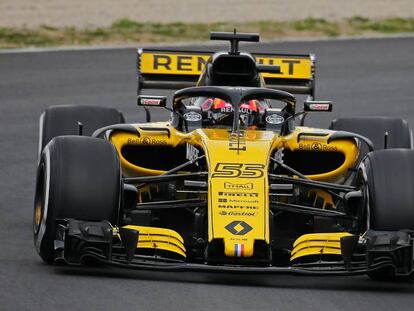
point(101, 13)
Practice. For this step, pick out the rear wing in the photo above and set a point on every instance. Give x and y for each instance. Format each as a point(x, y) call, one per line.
point(168, 69)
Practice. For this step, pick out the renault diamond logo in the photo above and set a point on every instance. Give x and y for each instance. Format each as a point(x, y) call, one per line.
point(238, 227)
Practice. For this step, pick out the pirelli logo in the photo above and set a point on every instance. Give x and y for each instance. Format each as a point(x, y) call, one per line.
point(239, 194)
point(292, 67)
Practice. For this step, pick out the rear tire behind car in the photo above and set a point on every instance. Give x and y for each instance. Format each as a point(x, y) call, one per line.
point(389, 195)
point(374, 128)
point(78, 177)
point(63, 120)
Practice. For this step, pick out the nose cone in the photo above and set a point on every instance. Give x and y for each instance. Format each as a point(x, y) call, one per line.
point(238, 207)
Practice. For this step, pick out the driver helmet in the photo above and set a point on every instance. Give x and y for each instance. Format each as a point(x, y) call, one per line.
point(222, 112)
point(250, 113)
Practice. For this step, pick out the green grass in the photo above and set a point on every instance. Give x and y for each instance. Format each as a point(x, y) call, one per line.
point(391, 25)
point(129, 31)
point(317, 25)
point(127, 25)
point(25, 37)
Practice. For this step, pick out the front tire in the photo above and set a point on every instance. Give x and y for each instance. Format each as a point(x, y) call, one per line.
point(389, 195)
point(390, 180)
point(78, 177)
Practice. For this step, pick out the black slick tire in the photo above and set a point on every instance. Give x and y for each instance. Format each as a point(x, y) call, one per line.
point(374, 128)
point(389, 195)
point(63, 120)
point(78, 177)
point(390, 180)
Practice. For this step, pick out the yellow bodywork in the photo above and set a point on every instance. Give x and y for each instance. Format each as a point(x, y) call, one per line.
point(318, 143)
point(159, 239)
point(318, 244)
point(153, 138)
point(238, 187)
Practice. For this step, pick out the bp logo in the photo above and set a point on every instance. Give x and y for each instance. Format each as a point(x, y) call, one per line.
point(238, 227)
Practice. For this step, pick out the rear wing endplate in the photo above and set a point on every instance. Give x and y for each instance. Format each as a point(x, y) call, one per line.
point(168, 69)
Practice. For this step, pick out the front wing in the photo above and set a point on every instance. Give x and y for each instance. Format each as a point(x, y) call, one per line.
point(81, 242)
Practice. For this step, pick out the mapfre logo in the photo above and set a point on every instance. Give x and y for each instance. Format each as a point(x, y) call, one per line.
point(231, 186)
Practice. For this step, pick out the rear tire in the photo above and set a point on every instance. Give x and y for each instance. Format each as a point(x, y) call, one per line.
point(63, 120)
point(389, 195)
point(374, 128)
point(78, 177)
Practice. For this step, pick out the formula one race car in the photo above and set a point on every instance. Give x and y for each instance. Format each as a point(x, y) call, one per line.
point(233, 182)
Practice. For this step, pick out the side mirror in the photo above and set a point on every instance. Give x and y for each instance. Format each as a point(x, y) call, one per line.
point(274, 119)
point(193, 118)
point(317, 105)
point(152, 101)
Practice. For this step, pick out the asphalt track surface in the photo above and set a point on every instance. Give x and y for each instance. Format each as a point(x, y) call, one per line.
point(362, 77)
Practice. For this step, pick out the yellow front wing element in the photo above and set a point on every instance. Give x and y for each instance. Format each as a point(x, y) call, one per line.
point(318, 244)
point(238, 207)
point(159, 238)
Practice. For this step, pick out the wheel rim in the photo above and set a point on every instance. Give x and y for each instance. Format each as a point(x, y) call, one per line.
point(39, 203)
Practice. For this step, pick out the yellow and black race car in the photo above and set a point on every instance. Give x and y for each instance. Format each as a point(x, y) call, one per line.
point(233, 182)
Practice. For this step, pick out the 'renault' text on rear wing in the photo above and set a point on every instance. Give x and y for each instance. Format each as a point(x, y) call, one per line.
point(167, 69)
